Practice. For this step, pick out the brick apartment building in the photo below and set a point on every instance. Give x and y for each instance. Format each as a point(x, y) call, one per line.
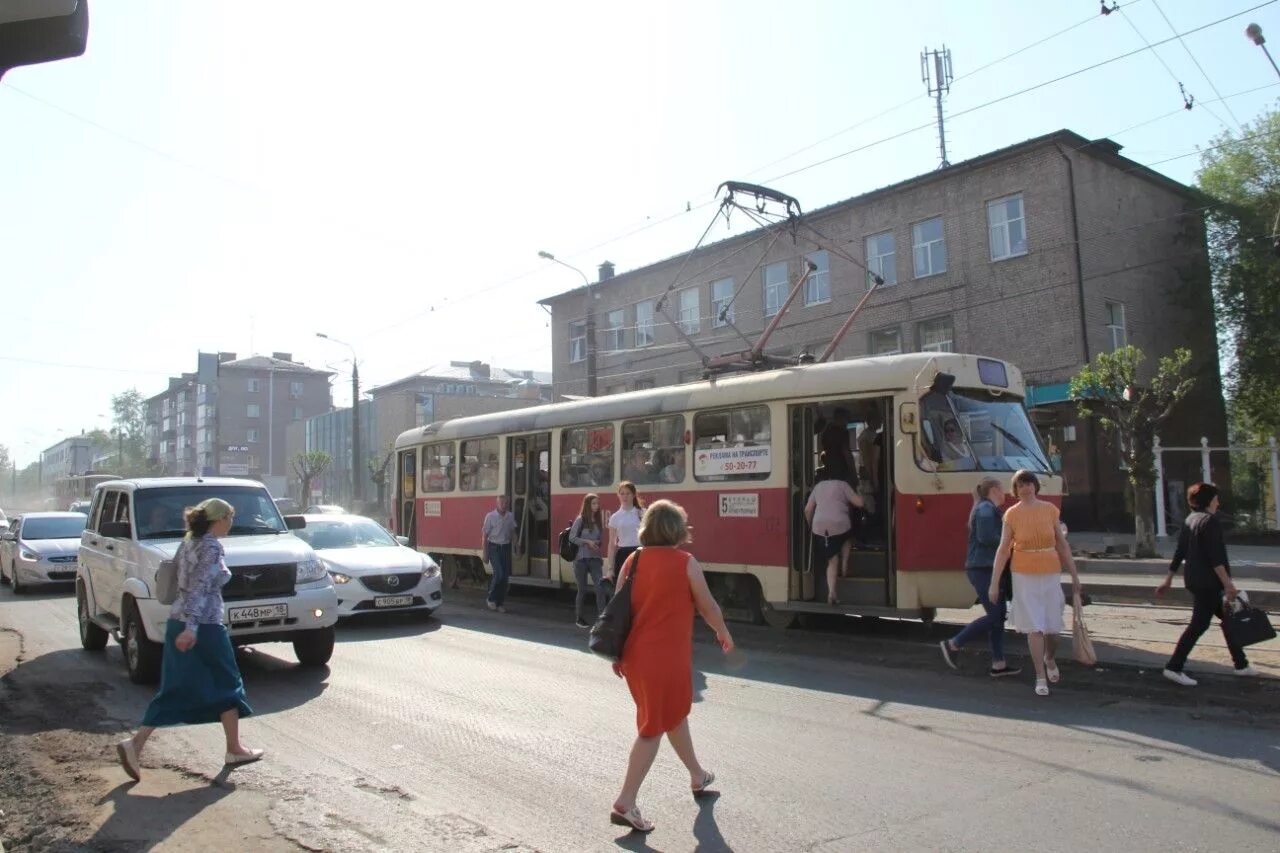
point(230, 416)
point(1043, 253)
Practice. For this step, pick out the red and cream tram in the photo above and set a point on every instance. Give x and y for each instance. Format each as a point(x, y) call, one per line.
point(739, 453)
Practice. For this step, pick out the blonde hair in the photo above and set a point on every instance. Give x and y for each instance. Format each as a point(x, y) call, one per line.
point(201, 516)
point(664, 523)
point(985, 485)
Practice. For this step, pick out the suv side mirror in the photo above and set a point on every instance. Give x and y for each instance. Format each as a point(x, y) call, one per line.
point(42, 31)
point(403, 540)
point(115, 529)
point(295, 522)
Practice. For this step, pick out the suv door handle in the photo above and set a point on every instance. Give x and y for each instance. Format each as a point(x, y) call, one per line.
point(93, 541)
point(110, 547)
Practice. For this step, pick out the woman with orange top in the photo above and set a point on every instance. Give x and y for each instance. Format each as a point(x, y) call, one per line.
point(657, 661)
point(1033, 537)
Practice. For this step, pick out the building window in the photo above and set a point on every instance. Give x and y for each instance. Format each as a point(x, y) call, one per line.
point(1115, 325)
point(642, 384)
point(615, 333)
point(251, 436)
point(253, 410)
point(610, 390)
point(644, 323)
point(577, 342)
point(817, 289)
point(479, 465)
point(690, 321)
point(928, 248)
point(297, 413)
point(885, 342)
point(722, 302)
point(732, 444)
point(936, 335)
point(882, 259)
point(586, 456)
point(255, 385)
point(295, 390)
point(775, 287)
point(1008, 227)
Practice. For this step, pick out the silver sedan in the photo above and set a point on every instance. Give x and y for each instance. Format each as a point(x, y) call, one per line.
point(41, 548)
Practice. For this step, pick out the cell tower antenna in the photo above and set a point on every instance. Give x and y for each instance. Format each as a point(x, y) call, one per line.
point(935, 73)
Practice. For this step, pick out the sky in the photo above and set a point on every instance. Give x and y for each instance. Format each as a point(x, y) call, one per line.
point(238, 176)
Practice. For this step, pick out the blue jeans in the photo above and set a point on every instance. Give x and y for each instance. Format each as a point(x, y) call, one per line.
point(593, 568)
point(500, 559)
point(990, 623)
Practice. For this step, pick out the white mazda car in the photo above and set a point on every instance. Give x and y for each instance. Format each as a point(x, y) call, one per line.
point(372, 571)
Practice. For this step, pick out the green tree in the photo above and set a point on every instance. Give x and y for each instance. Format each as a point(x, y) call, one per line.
point(1110, 390)
point(379, 472)
point(1241, 172)
point(129, 433)
point(307, 466)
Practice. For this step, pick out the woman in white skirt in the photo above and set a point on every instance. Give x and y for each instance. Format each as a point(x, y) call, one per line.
point(1034, 539)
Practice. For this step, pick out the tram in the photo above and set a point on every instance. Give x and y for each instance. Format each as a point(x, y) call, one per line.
point(78, 487)
point(739, 453)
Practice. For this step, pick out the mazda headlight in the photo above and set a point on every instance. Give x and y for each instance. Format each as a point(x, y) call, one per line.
point(339, 577)
point(311, 570)
point(430, 568)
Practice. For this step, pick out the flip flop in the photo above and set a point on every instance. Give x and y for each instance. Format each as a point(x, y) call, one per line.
point(707, 778)
point(1051, 670)
point(632, 818)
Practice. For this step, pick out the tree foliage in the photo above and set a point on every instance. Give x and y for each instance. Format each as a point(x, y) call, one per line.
point(1110, 390)
point(307, 466)
point(1241, 171)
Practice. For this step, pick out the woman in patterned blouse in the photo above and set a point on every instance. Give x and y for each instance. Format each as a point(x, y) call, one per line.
point(199, 679)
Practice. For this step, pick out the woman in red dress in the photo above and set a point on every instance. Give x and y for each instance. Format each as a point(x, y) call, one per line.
point(657, 660)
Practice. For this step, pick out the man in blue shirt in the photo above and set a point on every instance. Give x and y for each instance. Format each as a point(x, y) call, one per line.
point(499, 525)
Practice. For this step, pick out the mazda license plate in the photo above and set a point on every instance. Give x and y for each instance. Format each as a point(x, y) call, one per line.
point(257, 614)
point(392, 600)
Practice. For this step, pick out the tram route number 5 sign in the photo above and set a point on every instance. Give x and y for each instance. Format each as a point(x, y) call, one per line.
point(740, 505)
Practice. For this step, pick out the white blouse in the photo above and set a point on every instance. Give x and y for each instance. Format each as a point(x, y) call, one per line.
point(625, 523)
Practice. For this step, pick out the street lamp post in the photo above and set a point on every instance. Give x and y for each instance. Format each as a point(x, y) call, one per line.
point(1254, 33)
point(357, 485)
point(590, 321)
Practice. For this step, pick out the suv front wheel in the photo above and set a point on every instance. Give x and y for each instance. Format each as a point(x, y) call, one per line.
point(92, 637)
point(141, 655)
point(314, 648)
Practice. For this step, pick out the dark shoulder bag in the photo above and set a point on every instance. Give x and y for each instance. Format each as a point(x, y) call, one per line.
point(608, 636)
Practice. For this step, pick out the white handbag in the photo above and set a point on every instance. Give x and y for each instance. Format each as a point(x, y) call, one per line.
point(167, 578)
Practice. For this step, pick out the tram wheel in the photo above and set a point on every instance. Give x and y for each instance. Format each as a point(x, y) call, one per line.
point(777, 619)
point(927, 615)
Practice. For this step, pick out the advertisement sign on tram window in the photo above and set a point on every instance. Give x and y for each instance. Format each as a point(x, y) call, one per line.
point(721, 461)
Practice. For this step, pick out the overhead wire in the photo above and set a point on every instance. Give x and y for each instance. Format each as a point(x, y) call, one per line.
point(1188, 99)
point(1203, 73)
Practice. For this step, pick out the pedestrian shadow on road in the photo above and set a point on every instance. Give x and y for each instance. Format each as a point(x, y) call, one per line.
point(141, 821)
point(705, 828)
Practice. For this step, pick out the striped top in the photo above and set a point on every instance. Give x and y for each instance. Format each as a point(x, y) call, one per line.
point(1034, 529)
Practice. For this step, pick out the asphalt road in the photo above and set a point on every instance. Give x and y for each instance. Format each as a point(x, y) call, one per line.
point(478, 731)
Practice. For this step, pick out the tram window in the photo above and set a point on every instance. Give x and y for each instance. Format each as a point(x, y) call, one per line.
point(479, 462)
point(437, 467)
point(733, 444)
point(985, 432)
point(586, 456)
point(408, 462)
point(653, 450)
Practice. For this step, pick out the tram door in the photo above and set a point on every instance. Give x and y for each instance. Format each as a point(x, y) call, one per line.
point(406, 490)
point(800, 586)
point(529, 485)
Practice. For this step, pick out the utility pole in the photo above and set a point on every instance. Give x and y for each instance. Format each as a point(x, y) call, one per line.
point(357, 484)
point(590, 321)
point(935, 73)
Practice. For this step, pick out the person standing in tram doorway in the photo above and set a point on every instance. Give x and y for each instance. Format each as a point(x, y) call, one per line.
point(624, 528)
point(657, 659)
point(984, 538)
point(875, 472)
point(828, 514)
point(499, 525)
point(1034, 539)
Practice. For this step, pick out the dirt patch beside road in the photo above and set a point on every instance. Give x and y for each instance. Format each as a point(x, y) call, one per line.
point(61, 788)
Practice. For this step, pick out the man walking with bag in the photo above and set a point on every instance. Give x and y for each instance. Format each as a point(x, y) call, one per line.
point(1208, 579)
point(499, 525)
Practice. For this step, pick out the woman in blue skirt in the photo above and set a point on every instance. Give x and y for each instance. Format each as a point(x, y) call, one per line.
point(199, 680)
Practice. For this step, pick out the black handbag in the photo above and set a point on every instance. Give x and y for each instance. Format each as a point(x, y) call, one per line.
point(1247, 625)
point(608, 636)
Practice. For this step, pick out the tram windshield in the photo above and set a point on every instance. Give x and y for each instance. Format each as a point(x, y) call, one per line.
point(970, 429)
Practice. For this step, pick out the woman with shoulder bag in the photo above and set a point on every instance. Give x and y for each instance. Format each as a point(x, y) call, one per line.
point(657, 659)
point(199, 679)
point(587, 533)
point(984, 538)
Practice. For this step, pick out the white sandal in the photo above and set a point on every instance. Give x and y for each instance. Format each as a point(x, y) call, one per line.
point(632, 818)
point(1042, 687)
point(1051, 670)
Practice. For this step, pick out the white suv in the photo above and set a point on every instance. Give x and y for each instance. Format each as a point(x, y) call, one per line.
point(279, 589)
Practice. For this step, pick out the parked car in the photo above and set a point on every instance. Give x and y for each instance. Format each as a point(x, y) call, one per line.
point(279, 590)
point(372, 570)
point(324, 509)
point(80, 506)
point(288, 506)
point(40, 548)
